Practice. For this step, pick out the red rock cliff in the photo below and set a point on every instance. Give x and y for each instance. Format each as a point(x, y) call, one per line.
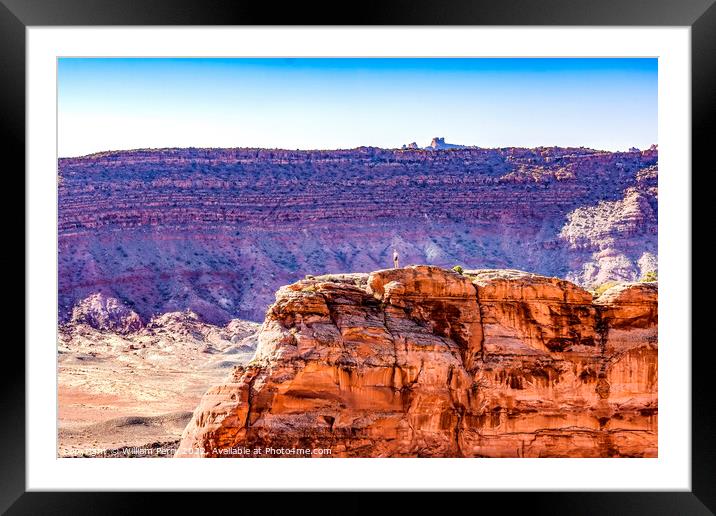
point(424, 362)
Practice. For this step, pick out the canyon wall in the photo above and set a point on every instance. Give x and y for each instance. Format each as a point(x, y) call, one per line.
point(217, 231)
point(426, 362)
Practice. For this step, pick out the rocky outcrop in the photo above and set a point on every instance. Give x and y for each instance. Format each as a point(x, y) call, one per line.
point(218, 231)
point(102, 312)
point(603, 234)
point(101, 316)
point(439, 143)
point(425, 362)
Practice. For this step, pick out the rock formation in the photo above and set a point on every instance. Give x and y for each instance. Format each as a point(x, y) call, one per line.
point(105, 313)
point(438, 143)
point(425, 362)
point(217, 231)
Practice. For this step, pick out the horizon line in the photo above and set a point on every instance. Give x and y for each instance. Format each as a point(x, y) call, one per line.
point(424, 149)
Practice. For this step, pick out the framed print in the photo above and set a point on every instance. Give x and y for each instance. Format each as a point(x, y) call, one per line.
point(426, 248)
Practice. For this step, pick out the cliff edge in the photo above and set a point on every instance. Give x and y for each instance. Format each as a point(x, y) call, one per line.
point(425, 362)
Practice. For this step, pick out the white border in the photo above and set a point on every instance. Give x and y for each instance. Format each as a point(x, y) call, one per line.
point(671, 470)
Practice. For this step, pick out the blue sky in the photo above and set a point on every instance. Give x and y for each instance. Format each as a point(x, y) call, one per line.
point(298, 103)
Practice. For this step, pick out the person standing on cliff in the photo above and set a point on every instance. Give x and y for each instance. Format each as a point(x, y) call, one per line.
point(395, 259)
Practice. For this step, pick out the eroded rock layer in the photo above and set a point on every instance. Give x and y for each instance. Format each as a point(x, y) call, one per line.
point(425, 362)
point(218, 231)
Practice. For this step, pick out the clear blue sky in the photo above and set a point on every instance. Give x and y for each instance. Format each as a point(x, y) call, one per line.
point(111, 104)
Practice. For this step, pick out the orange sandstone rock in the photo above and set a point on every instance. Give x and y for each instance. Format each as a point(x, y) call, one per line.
point(424, 362)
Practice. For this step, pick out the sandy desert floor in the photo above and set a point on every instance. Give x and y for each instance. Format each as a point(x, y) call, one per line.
point(133, 394)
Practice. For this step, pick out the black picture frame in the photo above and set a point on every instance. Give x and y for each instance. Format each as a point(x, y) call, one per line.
point(700, 15)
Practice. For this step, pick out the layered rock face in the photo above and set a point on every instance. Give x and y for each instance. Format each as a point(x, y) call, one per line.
point(217, 231)
point(425, 362)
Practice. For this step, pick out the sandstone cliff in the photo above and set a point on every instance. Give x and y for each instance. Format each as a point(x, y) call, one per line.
point(217, 231)
point(424, 362)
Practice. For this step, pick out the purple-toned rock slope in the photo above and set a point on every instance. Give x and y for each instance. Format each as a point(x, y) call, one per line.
point(217, 231)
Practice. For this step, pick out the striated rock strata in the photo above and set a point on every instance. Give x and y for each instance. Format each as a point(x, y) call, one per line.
point(424, 362)
point(218, 231)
